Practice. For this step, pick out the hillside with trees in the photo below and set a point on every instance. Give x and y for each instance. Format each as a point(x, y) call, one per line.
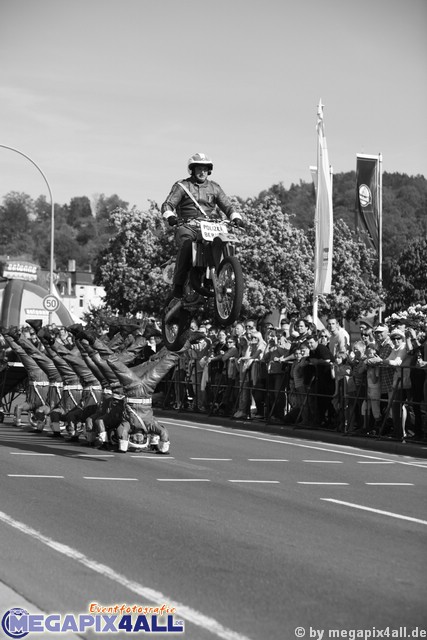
point(126, 247)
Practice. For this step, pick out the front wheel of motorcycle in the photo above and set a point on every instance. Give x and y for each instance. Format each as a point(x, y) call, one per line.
point(229, 293)
point(175, 329)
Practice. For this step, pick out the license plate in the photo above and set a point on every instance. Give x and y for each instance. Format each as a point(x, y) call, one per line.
point(211, 230)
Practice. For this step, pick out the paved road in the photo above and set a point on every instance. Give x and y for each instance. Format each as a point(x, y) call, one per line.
point(248, 535)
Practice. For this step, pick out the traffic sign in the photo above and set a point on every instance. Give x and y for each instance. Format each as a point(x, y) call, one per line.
point(50, 302)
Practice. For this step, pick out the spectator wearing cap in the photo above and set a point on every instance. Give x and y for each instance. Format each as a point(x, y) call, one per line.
point(366, 331)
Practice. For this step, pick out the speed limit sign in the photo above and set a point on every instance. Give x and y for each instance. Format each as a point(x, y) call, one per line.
point(50, 302)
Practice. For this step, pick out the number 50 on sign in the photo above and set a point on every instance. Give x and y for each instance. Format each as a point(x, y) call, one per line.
point(50, 302)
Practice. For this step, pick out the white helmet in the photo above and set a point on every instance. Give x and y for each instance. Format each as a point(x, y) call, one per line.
point(200, 159)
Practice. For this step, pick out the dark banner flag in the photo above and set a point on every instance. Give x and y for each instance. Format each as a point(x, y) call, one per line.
point(367, 197)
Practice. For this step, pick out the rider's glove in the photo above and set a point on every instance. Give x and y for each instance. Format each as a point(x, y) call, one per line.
point(238, 222)
point(172, 220)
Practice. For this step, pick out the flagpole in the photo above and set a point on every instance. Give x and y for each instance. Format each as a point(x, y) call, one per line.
point(380, 224)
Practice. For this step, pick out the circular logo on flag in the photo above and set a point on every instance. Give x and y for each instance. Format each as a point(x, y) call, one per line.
point(365, 195)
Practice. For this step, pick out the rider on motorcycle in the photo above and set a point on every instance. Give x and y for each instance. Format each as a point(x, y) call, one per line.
point(191, 199)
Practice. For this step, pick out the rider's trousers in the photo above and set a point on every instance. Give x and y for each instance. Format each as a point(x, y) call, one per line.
point(184, 237)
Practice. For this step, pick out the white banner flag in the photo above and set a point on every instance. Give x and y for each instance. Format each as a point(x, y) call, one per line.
point(323, 221)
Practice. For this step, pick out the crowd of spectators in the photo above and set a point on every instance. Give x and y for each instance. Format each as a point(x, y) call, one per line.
point(373, 383)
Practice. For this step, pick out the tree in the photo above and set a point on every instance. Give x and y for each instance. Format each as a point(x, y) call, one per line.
point(105, 206)
point(67, 248)
point(130, 267)
point(79, 212)
point(276, 258)
point(15, 215)
point(407, 280)
point(279, 261)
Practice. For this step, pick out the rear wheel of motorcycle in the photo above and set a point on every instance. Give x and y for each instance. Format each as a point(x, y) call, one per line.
point(175, 331)
point(228, 301)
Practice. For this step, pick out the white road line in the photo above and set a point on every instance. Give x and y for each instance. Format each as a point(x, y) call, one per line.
point(353, 452)
point(183, 479)
point(325, 461)
point(267, 460)
point(188, 613)
point(391, 484)
point(107, 478)
point(30, 453)
point(27, 475)
point(375, 462)
point(155, 457)
point(328, 483)
point(379, 511)
point(258, 481)
point(213, 459)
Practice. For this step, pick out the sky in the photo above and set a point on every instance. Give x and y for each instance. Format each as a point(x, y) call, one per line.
point(113, 96)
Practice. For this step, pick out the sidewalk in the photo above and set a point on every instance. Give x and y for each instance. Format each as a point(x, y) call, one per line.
point(383, 445)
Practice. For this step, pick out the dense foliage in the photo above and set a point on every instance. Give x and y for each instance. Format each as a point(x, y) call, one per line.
point(127, 248)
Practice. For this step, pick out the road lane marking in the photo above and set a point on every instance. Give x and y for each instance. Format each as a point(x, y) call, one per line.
point(267, 460)
point(30, 453)
point(27, 475)
point(213, 459)
point(325, 461)
point(391, 514)
point(258, 481)
point(188, 613)
point(391, 484)
point(155, 457)
point(183, 479)
point(107, 478)
point(328, 483)
point(375, 462)
point(354, 453)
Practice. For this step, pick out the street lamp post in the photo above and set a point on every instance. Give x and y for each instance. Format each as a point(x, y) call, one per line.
point(52, 219)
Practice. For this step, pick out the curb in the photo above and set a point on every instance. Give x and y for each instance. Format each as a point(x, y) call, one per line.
point(384, 445)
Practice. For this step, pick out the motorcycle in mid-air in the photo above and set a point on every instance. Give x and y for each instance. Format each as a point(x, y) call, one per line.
point(215, 274)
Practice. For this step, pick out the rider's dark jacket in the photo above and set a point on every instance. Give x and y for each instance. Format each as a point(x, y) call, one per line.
point(208, 194)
